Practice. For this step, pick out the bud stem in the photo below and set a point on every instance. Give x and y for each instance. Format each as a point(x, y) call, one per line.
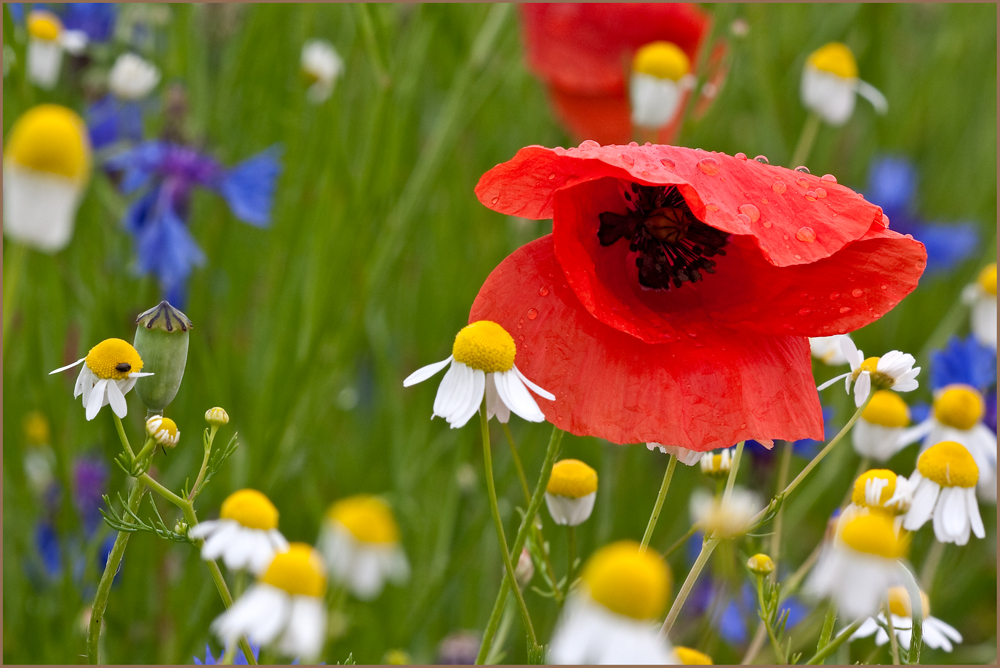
point(655, 515)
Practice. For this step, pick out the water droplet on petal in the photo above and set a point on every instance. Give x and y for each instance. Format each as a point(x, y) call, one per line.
point(626, 158)
point(820, 193)
point(532, 313)
point(764, 201)
point(857, 292)
point(552, 176)
point(802, 182)
point(752, 212)
point(667, 162)
point(803, 169)
point(543, 291)
point(633, 143)
point(811, 195)
point(741, 156)
point(806, 234)
point(588, 144)
point(885, 220)
point(708, 166)
point(829, 178)
point(845, 309)
point(712, 207)
point(743, 218)
point(834, 295)
point(693, 334)
point(767, 223)
point(495, 200)
point(778, 187)
point(884, 286)
point(762, 159)
point(805, 311)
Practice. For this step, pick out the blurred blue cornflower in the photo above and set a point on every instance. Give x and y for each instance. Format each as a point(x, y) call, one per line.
point(990, 414)
point(168, 173)
point(238, 658)
point(892, 183)
point(735, 616)
point(95, 20)
point(804, 447)
point(118, 115)
point(90, 482)
point(966, 362)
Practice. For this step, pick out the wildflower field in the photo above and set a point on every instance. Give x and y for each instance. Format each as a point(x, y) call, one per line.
point(344, 333)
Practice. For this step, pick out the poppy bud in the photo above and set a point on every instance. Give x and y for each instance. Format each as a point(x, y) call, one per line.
point(161, 337)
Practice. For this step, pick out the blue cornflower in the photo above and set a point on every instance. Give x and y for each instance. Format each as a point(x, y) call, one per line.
point(47, 544)
point(804, 447)
point(892, 183)
point(90, 481)
point(118, 115)
point(736, 617)
point(94, 19)
point(167, 174)
point(238, 658)
point(990, 414)
point(966, 362)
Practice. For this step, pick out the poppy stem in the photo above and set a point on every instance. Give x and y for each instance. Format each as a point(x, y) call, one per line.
point(495, 509)
point(664, 486)
point(806, 140)
point(522, 535)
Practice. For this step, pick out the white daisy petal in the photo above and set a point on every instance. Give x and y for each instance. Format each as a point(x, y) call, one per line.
point(423, 373)
point(303, 636)
point(474, 400)
point(68, 366)
point(522, 402)
point(446, 390)
point(117, 399)
point(862, 388)
point(267, 627)
point(545, 394)
point(922, 508)
point(834, 380)
point(84, 381)
point(96, 399)
point(220, 539)
point(972, 506)
point(494, 405)
point(854, 356)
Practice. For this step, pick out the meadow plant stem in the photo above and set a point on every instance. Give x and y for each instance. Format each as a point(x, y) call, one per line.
point(208, 440)
point(570, 556)
point(522, 535)
point(680, 541)
point(828, 622)
point(778, 651)
point(227, 658)
point(108, 577)
point(930, 566)
point(13, 269)
point(786, 460)
point(517, 462)
point(501, 637)
point(806, 140)
point(498, 522)
point(731, 480)
point(893, 642)
point(832, 646)
point(122, 437)
point(655, 515)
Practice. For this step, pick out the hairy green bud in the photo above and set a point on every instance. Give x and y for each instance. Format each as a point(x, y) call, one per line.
point(161, 338)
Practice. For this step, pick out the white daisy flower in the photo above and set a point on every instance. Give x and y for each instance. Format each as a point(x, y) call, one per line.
point(246, 534)
point(39, 458)
point(45, 169)
point(957, 416)
point(876, 490)
point(285, 608)
point(163, 430)
point(482, 361)
point(132, 77)
point(110, 370)
point(944, 483)
point(322, 66)
point(877, 432)
point(724, 518)
point(612, 617)
point(683, 455)
point(936, 634)
point(360, 543)
point(830, 85)
point(894, 370)
point(571, 492)
point(981, 296)
point(860, 564)
point(717, 465)
point(45, 48)
point(828, 350)
point(661, 75)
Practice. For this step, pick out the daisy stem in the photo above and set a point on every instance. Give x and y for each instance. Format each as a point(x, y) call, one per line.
point(227, 658)
point(930, 566)
point(706, 551)
point(766, 620)
point(495, 509)
point(570, 555)
point(664, 486)
point(147, 447)
point(517, 462)
point(522, 535)
point(680, 541)
point(122, 437)
point(786, 460)
point(893, 643)
point(110, 570)
point(806, 140)
point(208, 438)
point(835, 643)
point(828, 621)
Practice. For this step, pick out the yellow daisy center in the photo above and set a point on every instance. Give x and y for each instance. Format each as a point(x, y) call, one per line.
point(626, 581)
point(760, 564)
point(887, 410)
point(692, 657)
point(113, 359)
point(572, 478)
point(251, 509)
point(859, 497)
point(486, 346)
point(880, 381)
point(36, 428)
point(875, 533)
point(50, 138)
point(835, 58)
point(959, 406)
point(44, 25)
point(367, 517)
point(299, 571)
point(988, 279)
point(663, 60)
point(899, 603)
point(716, 465)
point(949, 464)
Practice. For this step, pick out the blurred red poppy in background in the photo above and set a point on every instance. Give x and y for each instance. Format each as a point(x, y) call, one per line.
point(672, 301)
point(584, 53)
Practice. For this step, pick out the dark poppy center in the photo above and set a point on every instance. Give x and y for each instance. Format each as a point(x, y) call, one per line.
point(672, 244)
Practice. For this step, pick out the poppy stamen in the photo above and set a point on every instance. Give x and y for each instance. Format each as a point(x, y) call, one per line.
point(674, 247)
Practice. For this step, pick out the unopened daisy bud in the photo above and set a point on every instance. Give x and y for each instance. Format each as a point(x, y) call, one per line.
point(132, 77)
point(724, 518)
point(760, 564)
point(36, 428)
point(692, 657)
point(44, 48)
point(163, 430)
point(161, 337)
point(525, 569)
point(717, 466)
point(661, 74)
point(180, 527)
point(830, 84)
point(397, 657)
point(571, 492)
point(217, 416)
point(981, 297)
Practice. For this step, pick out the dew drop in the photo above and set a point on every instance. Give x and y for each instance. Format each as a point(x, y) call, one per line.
point(845, 309)
point(708, 166)
point(802, 182)
point(750, 211)
point(767, 223)
point(786, 239)
point(693, 334)
point(829, 178)
point(811, 195)
point(648, 144)
point(743, 218)
point(820, 193)
point(495, 200)
point(532, 313)
point(834, 295)
point(805, 311)
point(803, 169)
point(743, 426)
point(712, 207)
point(626, 158)
point(885, 220)
point(741, 156)
point(667, 162)
point(884, 286)
point(633, 143)
point(806, 234)
point(762, 159)
point(778, 187)
point(552, 176)
point(543, 292)
point(764, 201)
point(588, 144)
point(857, 292)
point(798, 257)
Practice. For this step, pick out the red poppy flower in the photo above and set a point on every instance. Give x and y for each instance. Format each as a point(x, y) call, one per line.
point(583, 52)
point(672, 301)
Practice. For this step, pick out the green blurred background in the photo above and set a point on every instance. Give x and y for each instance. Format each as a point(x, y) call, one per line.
point(304, 331)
